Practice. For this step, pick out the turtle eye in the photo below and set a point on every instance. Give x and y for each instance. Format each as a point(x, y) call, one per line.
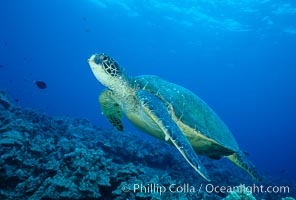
point(105, 58)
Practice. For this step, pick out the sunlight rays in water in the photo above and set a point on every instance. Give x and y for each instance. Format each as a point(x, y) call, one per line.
point(227, 15)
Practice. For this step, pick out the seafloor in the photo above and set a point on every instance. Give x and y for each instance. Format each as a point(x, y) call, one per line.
point(44, 157)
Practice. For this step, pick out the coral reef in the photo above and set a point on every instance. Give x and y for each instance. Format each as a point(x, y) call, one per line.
point(288, 198)
point(45, 157)
point(240, 193)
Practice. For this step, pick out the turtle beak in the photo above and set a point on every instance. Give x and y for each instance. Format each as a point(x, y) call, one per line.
point(94, 59)
point(95, 64)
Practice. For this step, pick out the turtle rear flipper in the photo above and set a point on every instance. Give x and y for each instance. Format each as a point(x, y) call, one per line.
point(240, 159)
point(158, 112)
point(111, 109)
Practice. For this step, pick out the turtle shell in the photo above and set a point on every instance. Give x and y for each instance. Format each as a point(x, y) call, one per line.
point(189, 109)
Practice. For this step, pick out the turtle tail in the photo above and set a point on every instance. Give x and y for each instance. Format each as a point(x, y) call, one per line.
point(240, 159)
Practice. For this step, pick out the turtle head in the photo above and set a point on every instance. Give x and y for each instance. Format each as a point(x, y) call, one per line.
point(106, 70)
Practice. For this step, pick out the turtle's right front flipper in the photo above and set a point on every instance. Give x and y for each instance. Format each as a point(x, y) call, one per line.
point(111, 109)
point(158, 112)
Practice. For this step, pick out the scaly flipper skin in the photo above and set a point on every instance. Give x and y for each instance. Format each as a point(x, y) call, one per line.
point(111, 109)
point(158, 112)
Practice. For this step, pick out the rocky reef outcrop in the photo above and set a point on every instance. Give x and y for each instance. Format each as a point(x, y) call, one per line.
point(44, 157)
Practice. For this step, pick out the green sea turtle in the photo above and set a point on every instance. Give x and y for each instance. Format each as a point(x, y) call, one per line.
point(168, 112)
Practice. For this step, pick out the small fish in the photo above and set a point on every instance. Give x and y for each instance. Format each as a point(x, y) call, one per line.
point(41, 84)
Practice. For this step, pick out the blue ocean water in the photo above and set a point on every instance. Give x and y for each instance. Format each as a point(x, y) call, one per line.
point(239, 56)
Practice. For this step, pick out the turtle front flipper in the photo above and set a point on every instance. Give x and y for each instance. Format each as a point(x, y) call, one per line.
point(111, 109)
point(158, 112)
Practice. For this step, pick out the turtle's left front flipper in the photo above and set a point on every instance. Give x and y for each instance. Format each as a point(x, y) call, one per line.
point(159, 113)
point(111, 109)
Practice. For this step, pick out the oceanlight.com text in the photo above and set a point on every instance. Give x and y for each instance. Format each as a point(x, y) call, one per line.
point(209, 188)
